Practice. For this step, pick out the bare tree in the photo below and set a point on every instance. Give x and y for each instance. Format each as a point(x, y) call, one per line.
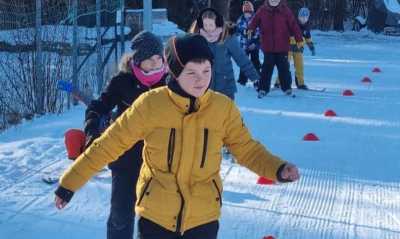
point(19, 83)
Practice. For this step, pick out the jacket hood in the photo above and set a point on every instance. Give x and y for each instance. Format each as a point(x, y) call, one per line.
point(124, 66)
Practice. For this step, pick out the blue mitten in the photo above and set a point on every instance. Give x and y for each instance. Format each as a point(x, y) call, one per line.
point(65, 86)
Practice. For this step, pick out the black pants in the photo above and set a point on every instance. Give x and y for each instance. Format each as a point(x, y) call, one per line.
point(281, 61)
point(120, 223)
point(151, 230)
point(255, 59)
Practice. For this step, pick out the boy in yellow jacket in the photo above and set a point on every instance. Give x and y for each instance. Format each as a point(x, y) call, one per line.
point(297, 52)
point(183, 127)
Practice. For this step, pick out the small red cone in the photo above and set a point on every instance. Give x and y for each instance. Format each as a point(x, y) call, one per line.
point(74, 140)
point(348, 93)
point(269, 237)
point(310, 137)
point(330, 113)
point(265, 181)
point(376, 70)
point(366, 80)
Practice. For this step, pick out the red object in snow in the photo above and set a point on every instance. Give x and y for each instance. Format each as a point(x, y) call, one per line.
point(330, 113)
point(74, 142)
point(310, 137)
point(348, 93)
point(376, 70)
point(366, 80)
point(269, 237)
point(265, 181)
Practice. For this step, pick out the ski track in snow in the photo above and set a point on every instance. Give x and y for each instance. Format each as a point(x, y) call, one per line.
point(320, 205)
point(320, 116)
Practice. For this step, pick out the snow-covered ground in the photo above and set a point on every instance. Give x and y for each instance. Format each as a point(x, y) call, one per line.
point(350, 185)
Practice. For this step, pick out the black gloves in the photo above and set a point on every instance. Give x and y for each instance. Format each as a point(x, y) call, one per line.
point(279, 176)
point(64, 193)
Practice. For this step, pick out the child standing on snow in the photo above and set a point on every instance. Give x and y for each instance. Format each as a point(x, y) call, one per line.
point(183, 128)
point(297, 52)
point(225, 46)
point(250, 46)
point(277, 24)
point(139, 71)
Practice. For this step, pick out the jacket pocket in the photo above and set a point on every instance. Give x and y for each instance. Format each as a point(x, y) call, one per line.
point(219, 198)
point(171, 149)
point(205, 145)
point(146, 187)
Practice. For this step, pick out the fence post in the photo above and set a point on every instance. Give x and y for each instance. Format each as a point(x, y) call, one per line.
point(99, 70)
point(122, 26)
point(147, 15)
point(75, 81)
point(39, 61)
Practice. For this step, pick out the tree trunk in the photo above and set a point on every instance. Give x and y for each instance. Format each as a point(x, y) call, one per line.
point(376, 16)
point(222, 6)
point(339, 15)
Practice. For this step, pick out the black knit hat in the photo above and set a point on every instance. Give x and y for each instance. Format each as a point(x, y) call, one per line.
point(145, 45)
point(182, 49)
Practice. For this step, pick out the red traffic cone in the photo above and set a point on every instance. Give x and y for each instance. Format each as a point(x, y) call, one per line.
point(376, 70)
point(265, 181)
point(330, 113)
point(366, 80)
point(310, 137)
point(348, 93)
point(268, 237)
point(74, 142)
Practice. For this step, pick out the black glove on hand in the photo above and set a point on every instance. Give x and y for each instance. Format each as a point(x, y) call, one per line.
point(64, 193)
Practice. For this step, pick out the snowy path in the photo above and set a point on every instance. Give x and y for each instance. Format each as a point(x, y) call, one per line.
point(350, 186)
point(321, 205)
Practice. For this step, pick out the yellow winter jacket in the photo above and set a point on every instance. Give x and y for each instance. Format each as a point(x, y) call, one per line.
point(179, 186)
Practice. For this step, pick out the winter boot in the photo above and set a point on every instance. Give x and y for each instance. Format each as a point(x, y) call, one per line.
point(288, 92)
point(261, 94)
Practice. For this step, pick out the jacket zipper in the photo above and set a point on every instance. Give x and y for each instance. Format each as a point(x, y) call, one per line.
point(171, 149)
point(205, 145)
point(144, 191)
point(219, 192)
point(180, 214)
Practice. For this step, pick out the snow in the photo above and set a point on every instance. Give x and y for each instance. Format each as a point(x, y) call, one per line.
point(392, 5)
point(350, 185)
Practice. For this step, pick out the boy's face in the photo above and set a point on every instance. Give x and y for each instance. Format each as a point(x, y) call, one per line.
point(195, 78)
point(151, 64)
point(274, 3)
point(209, 25)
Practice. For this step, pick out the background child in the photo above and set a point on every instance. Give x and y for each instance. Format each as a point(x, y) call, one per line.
point(250, 46)
point(277, 24)
point(297, 52)
point(225, 47)
point(139, 71)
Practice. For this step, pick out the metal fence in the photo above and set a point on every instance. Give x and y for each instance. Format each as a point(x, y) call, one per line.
point(45, 41)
